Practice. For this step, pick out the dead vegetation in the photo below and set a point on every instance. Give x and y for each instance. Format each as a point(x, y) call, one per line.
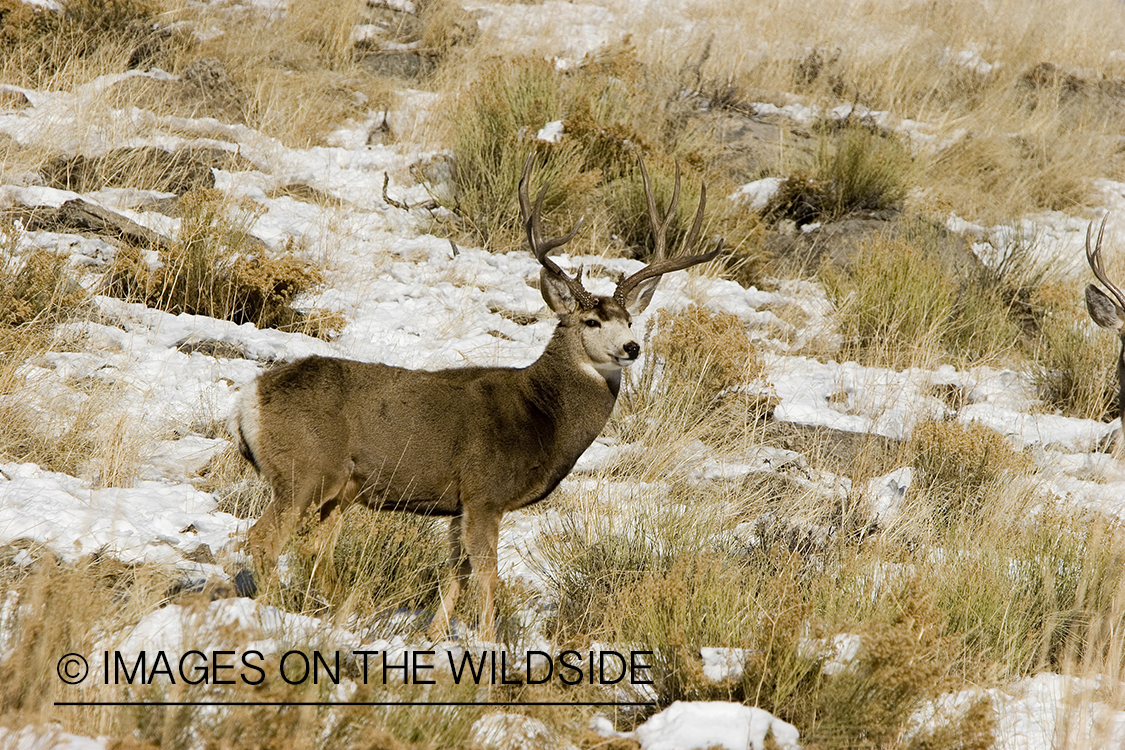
point(214, 267)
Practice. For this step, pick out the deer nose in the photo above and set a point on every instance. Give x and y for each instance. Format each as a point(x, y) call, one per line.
point(633, 349)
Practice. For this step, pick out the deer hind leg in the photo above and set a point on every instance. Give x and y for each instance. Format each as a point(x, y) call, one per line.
point(293, 498)
point(337, 494)
point(459, 569)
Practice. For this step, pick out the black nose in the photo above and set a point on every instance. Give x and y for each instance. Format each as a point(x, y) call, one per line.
point(633, 349)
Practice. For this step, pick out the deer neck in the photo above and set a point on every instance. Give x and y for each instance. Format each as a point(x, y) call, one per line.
point(571, 384)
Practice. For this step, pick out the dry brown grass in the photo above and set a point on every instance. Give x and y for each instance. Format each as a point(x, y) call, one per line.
point(1075, 358)
point(301, 76)
point(214, 267)
point(899, 304)
point(78, 433)
point(63, 609)
point(373, 564)
point(1000, 142)
point(957, 465)
point(87, 39)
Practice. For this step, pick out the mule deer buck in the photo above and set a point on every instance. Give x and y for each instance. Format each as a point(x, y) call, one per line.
point(1108, 314)
point(468, 443)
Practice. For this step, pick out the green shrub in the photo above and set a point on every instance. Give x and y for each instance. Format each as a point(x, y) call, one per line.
point(611, 111)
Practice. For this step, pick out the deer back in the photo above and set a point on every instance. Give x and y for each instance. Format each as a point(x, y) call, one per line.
point(419, 440)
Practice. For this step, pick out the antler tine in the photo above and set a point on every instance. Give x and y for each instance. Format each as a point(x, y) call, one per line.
point(1094, 258)
point(659, 226)
point(693, 235)
point(525, 204)
point(661, 264)
point(530, 217)
point(542, 248)
point(659, 268)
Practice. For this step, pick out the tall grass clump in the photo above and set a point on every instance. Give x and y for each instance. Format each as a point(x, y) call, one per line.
point(674, 581)
point(370, 563)
point(1076, 361)
point(50, 608)
point(1018, 166)
point(494, 127)
point(214, 267)
point(612, 110)
point(595, 567)
point(37, 287)
point(1047, 598)
point(957, 464)
point(899, 304)
point(854, 168)
point(81, 40)
point(697, 364)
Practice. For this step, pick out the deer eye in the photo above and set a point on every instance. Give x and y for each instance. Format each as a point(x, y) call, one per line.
point(593, 323)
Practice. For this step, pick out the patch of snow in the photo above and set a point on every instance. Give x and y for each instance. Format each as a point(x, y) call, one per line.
point(721, 664)
point(551, 132)
point(151, 522)
point(968, 59)
point(756, 195)
point(887, 494)
point(845, 648)
point(1039, 713)
point(364, 32)
point(716, 724)
point(47, 738)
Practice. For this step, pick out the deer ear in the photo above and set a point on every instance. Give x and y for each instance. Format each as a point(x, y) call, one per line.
point(641, 295)
point(1103, 310)
point(556, 292)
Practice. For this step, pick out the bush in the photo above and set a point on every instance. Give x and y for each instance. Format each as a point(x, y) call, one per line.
point(612, 110)
point(855, 168)
point(1076, 373)
point(956, 463)
point(36, 286)
point(106, 35)
point(897, 302)
point(694, 362)
point(495, 123)
point(213, 268)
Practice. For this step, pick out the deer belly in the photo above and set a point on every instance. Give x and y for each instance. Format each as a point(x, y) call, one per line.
point(410, 497)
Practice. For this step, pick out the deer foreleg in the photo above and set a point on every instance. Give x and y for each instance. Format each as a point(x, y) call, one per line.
point(459, 569)
point(482, 534)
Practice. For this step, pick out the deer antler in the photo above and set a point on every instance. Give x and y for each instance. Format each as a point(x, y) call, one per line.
point(530, 217)
point(1094, 258)
point(662, 264)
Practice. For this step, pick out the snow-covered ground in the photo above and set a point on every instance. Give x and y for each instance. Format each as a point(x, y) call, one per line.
point(410, 301)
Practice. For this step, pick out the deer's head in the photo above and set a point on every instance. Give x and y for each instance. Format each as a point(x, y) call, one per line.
point(604, 323)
